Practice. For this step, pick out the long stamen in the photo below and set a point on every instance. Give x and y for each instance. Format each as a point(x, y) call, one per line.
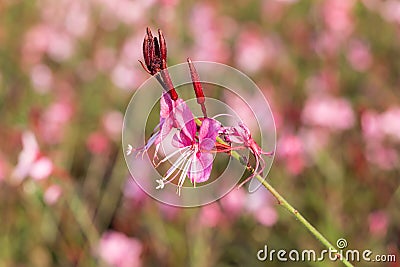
point(194, 162)
point(174, 168)
point(183, 176)
point(170, 156)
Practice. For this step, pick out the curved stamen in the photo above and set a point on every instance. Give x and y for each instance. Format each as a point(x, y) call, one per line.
point(183, 176)
point(177, 165)
point(170, 156)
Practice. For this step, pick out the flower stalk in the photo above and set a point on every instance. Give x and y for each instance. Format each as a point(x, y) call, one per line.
point(285, 204)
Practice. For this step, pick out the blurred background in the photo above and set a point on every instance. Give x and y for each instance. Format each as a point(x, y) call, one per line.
point(68, 69)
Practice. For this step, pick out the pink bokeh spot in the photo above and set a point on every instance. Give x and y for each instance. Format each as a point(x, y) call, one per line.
point(260, 205)
point(52, 194)
point(291, 150)
point(30, 161)
point(210, 215)
point(332, 113)
point(378, 223)
point(112, 122)
point(53, 121)
point(41, 168)
point(233, 202)
point(119, 250)
point(97, 143)
point(359, 56)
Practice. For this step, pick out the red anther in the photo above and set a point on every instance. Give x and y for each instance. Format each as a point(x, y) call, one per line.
point(198, 89)
point(163, 47)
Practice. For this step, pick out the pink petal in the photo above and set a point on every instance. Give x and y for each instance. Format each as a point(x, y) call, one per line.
point(166, 106)
point(184, 119)
point(181, 140)
point(209, 130)
point(200, 168)
point(165, 129)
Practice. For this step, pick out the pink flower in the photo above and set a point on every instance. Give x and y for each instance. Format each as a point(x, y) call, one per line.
point(42, 78)
point(97, 143)
point(253, 52)
point(207, 33)
point(390, 10)
point(335, 114)
point(30, 161)
point(233, 203)
point(378, 223)
point(359, 56)
point(133, 191)
point(3, 168)
point(112, 123)
point(259, 204)
point(370, 124)
point(241, 135)
point(53, 121)
point(210, 215)
point(52, 194)
point(42, 168)
point(338, 17)
point(196, 157)
point(390, 123)
point(384, 157)
point(376, 126)
point(291, 150)
point(118, 250)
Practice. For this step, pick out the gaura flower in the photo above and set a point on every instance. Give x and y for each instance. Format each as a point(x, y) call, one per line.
point(195, 146)
point(240, 134)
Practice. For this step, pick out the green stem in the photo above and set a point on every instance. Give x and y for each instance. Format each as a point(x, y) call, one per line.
point(284, 203)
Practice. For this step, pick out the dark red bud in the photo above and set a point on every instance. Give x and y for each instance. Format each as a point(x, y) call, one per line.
point(148, 48)
point(198, 89)
point(163, 46)
point(155, 60)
